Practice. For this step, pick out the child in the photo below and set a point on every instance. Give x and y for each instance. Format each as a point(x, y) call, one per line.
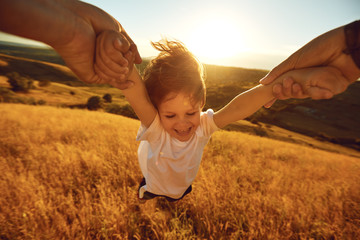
point(174, 130)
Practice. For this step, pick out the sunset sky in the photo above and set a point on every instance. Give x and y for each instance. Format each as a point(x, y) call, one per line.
point(243, 33)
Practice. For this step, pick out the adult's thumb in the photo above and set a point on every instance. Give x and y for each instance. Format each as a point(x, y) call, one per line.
point(274, 73)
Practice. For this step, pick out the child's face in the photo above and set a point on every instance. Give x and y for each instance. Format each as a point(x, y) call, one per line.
point(179, 117)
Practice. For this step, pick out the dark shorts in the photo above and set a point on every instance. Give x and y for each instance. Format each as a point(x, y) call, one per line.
point(149, 195)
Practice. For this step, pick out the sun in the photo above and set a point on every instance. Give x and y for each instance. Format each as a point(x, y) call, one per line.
point(216, 39)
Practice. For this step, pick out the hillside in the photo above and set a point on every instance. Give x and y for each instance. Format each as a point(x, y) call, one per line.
point(328, 121)
point(73, 174)
point(30, 52)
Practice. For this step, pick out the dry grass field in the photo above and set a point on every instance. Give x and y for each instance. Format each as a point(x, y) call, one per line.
point(73, 174)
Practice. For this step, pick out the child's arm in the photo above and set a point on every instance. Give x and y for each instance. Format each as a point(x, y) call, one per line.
point(139, 99)
point(244, 105)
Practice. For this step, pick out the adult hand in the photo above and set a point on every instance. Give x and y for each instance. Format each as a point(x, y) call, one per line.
point(111, 49)
point(69, 26)
point(317, 82)
point(325, 50)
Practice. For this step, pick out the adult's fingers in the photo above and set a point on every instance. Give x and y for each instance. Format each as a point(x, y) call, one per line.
point(278, 92)
point(110, 61)
point(122, 44)
point(287, 86)
point(297, 91)
point(104, 78)
point(116, 52)
point(283, 67)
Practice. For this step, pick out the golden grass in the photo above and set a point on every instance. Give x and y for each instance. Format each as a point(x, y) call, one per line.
point(73, 174)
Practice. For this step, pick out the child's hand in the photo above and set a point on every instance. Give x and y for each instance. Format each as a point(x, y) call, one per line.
point(114, 58)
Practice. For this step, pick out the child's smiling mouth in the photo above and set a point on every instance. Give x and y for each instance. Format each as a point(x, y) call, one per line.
point(183, 132)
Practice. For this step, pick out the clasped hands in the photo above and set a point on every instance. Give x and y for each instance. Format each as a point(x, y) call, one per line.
point(321, 68)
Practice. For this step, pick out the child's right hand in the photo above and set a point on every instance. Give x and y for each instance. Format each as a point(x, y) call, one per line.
point(114, 58)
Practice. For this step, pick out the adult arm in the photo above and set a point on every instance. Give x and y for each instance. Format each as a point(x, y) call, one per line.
point(69, 26)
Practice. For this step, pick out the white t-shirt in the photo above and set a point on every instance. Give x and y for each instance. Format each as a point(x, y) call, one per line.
point(169, 165)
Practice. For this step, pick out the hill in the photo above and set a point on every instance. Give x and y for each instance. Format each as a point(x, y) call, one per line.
point(31, 52)
point(73, 174)
point(328, 121)
point(38, 70)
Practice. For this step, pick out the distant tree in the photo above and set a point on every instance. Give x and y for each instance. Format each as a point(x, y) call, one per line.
point(125, 110)
point(6, 92)
point(94, 103)
point(44, 83)
point(128, 111)
point(41, 102)
point(19, 83)
point(108, 98)
point(114, 108)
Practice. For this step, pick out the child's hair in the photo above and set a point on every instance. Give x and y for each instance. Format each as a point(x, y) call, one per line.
point(174, 70)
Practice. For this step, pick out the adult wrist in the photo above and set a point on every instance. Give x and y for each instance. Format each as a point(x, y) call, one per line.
point(352, 40)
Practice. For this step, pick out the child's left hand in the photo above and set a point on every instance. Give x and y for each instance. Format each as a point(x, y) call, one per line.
point(114, 58)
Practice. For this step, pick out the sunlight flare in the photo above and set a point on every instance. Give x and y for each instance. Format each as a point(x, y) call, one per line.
point(216, 39)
